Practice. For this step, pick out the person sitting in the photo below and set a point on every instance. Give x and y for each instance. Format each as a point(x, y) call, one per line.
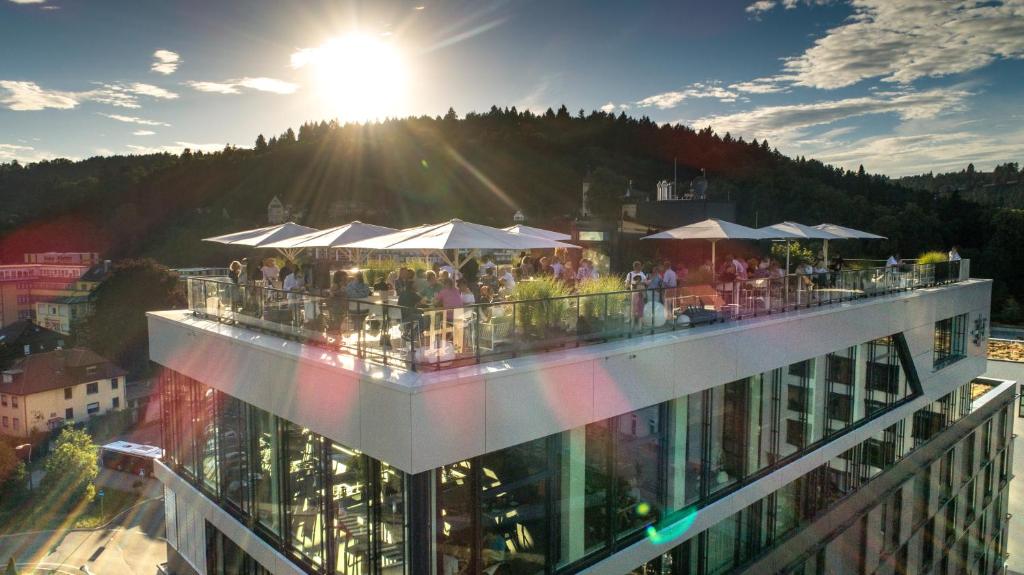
point(381, 286)
point(568, 275)
point(486, 294)
point(433, 286)
point(490, 280)
point(509, 277)
point(504, 292)
point(420, 280)
point(449, 296)
point(465, 293)
point(489, 264)
point(357, 288)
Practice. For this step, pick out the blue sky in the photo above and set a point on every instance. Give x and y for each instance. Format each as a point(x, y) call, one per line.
point(900, 86)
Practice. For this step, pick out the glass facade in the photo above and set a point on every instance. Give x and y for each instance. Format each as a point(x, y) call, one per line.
point(560, 503)
point(332, 509)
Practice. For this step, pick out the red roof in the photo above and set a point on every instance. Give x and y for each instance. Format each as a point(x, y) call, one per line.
point(57, 369)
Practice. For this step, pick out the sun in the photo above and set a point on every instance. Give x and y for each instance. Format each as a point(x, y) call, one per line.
point(357, 77)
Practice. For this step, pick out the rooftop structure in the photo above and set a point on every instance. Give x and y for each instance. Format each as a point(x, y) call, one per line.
point(594, 439)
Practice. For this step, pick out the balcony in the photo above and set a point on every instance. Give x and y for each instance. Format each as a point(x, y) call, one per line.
point(378, 330)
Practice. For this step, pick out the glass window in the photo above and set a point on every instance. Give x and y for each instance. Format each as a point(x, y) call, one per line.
point(694, 447)
point(267, 469)
point(639, 450)
point(14, 401)
point(304, 491)
point(67, 393)
point(350, 527)
point(234, 452)
point(113, 383)
point(721, 545)
point(597, 487)
point(92, 408)
point(950, 340)
point(69, 414)
point(115, 402)
point(92, 388)
point(514, 509)
point(729, 427)
point(456, 511)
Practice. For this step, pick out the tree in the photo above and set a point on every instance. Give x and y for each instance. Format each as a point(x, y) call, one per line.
point(8, 462)
point(117, 328)
point(261, 144)
point(450, 115)
point(606, 190)
point(12, 569)
point(71, 467)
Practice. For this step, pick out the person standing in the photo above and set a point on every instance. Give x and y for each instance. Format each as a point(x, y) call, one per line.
point(669, 277)
point(954, 254)
point(637, 274)
point(271, 273)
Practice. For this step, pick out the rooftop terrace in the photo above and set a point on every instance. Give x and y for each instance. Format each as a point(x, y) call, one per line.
point(378, 330)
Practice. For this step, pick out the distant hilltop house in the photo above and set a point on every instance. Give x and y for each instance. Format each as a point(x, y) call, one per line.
point(275, 212)
point(279, 213)
point(43, 391)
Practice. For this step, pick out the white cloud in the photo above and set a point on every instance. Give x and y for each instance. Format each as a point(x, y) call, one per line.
point(770, 85)
point(760, 6)
point(175, 148)
point(609, 107)
point(143, 133)
point(29, 96)
point(915, 153)
point(28, 1)
point(165, 62)
point(261, 84)
point(903, 40)
point(672, 99)
point(788, 121)
point(151, 91)
point(134, 120)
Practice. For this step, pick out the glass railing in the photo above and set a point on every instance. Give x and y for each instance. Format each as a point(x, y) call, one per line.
point(378, 329)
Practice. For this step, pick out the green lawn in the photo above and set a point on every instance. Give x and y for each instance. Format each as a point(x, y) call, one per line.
point(41, 511)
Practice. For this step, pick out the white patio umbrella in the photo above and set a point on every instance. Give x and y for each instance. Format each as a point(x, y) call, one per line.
point(846, 234)
point(455, 235)
point(795, 231)
point(537, 232)
point(261, 237)
point(711, 229)
point(333, 237)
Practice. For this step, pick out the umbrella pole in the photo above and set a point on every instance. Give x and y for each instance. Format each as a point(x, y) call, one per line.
point(826, 252)
point(713, 268)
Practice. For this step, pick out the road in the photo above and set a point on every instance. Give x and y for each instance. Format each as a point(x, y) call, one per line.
point(133, 543)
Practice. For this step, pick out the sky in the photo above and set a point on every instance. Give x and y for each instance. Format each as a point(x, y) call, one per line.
point(898, 86)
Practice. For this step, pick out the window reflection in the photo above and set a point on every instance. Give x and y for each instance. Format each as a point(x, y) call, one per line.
point(267, 470)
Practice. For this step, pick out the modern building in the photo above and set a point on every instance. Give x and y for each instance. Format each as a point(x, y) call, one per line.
point(852, 435)
point(1006, 360)
point(22, 286)
point(43, 391)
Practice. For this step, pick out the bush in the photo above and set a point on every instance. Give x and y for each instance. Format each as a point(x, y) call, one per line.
point(71, 467)
point(932, 257)
point(1011, 311)
point(593, 306)
point(798, 254)
point(536, 318)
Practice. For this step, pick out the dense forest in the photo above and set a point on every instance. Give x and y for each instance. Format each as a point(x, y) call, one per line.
point(483, 167)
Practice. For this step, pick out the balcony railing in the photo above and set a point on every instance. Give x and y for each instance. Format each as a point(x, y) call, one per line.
point(379, 330)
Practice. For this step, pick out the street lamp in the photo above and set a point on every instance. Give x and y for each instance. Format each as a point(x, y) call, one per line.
point(29, 446)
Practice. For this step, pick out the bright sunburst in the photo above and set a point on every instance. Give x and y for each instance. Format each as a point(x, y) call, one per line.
point(357, 77)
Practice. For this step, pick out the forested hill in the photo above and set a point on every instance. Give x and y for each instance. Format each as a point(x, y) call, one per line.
point(482, 167)
point(1003, 186)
